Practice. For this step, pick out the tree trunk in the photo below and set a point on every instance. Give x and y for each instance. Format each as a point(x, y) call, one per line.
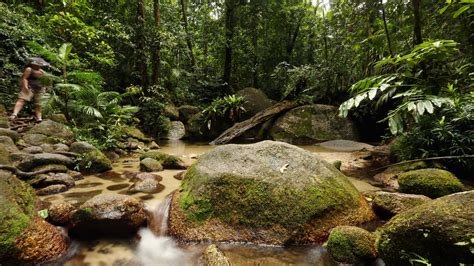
point(188, 37)
point(156, 56)
point(389, 43)
point(255, 23)
point(417, 21)
point(292, 36)
point(140, 40)
point(229, 34)
point(240, 128)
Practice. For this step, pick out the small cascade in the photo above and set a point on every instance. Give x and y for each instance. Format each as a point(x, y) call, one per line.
point(159, 218)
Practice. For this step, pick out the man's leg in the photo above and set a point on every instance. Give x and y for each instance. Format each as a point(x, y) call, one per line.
point(18, 106)
point(37, 101)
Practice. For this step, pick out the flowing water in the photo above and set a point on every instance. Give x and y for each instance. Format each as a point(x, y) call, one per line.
point(153, 247)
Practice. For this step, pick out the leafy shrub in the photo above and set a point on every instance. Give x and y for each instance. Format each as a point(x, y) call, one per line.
point(152, 119)
point(228, 107)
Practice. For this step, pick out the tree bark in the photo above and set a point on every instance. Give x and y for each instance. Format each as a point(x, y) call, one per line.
point(417, 21)
point(292, 36)
point(240, 128)
point(140, 39)
point(389, 43)
point(229, 34)
point(189, 43)
point(156, 49)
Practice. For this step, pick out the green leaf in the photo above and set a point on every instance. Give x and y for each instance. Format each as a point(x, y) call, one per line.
point(43, 213)
point(420, 108)
point(428, 106)
point(372, 94)
point(461, 10)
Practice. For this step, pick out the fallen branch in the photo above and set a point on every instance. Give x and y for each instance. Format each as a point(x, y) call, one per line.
point(425, 159)
point(240, 128)
point(27, 175)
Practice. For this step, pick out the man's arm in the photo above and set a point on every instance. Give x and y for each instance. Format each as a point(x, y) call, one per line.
point(24, 79)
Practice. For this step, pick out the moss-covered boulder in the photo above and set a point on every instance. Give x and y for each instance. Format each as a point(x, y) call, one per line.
point(389, 177)
point(150, 165)
point(9, 133)
point(187, 111)
point(171, 111)
point(430, 182)
point(441, 231)
point(91, 159)
point(387, 204)
point(31, 161)
point(350, 244)
point(213, 256)
point(110, 215)
point(312, 123)
point(54, 130)
point(4, 122)
point(136, 133)
point(4, 155)
point(166, 160)
point(268, 192)
point(24, 237)
point(9, 144)
point(255, 101)
point(38, 139)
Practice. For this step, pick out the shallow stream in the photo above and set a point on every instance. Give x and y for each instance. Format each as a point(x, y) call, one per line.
point(155, 248)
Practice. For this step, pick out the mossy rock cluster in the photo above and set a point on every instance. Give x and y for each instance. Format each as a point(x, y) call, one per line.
point(430, 182)
point(441, 231)
point(268, 192)
point(166, 160)
point(91, 159)
point(311, 124)
point(350, 244)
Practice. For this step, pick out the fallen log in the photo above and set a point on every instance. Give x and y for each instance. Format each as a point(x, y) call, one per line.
point(28, 175)
point(240, 128)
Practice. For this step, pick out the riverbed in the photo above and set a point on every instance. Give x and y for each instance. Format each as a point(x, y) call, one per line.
point(150, 249)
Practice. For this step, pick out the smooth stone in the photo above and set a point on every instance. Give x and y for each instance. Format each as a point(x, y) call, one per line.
point(345, 145)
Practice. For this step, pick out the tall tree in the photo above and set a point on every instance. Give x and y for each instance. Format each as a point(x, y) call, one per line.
point(230, 7)
point(189, 43)
point(140, 39)
point(417, 21)
point(156, 49)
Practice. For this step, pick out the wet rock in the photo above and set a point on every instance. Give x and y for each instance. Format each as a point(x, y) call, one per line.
point(176, 131)
point(37, 139)
point(52, 189)
point(9, 144)
point(213, 256)
point(440, 231)
point(60, 214)
point(108, 215)
point(429, 182)
point(168, 161)
point(53, 130)
point(147, 186)
point(35, 160)
point(113, 156)
point(33, 150)
point(268, 192)
point(48, 148)
point(345, 145)
point(9, 133)
point(312, 123)
point(133, 144)
point(81, 147)
point(50, 166)
point(387, 204)
point(54, 179)
point(150, 165)
point(350, 244)
point(75, 175)
point(153, 146)
point(187, 111)
point(171, 111)
point(60, 147)
point(255, 101)
point(144, 176)
point(24, 237)
point(180, 175)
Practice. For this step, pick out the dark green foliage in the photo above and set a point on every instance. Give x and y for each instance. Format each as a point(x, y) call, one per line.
point(152, 116)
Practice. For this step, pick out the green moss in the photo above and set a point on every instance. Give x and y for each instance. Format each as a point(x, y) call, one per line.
point(83, 214)
point(350, 244)
point(17, 209)
point(93, 162)
point(429, 182)
point(251, 202)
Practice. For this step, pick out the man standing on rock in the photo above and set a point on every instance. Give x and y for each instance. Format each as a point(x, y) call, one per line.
point(31, 87)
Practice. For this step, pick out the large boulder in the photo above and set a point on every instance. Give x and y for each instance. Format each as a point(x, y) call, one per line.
point(108, 215)
point(255, 101)
point(25, 238)
point(171, 111)
point(91, 159)
point(176, 131)
point(53, 130)
point(4, 155)
point(312, 123)
point(136, 133)
point(34, 160)
point(440, 231)
point(38, 139)
point(350, 244)
point(4, 122)
point(9, 144)
point(9, 133)
point(268, 192)
point(430, 182)
point(389, 177)
point(387, 204)
point(187, 111)
point(150, 165)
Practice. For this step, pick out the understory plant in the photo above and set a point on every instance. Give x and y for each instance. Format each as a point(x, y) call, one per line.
point(228, 107)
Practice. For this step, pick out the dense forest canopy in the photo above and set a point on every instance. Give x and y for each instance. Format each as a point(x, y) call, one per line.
point(408, 63)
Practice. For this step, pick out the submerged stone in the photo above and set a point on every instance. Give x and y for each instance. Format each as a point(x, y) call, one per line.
point(268, 192)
